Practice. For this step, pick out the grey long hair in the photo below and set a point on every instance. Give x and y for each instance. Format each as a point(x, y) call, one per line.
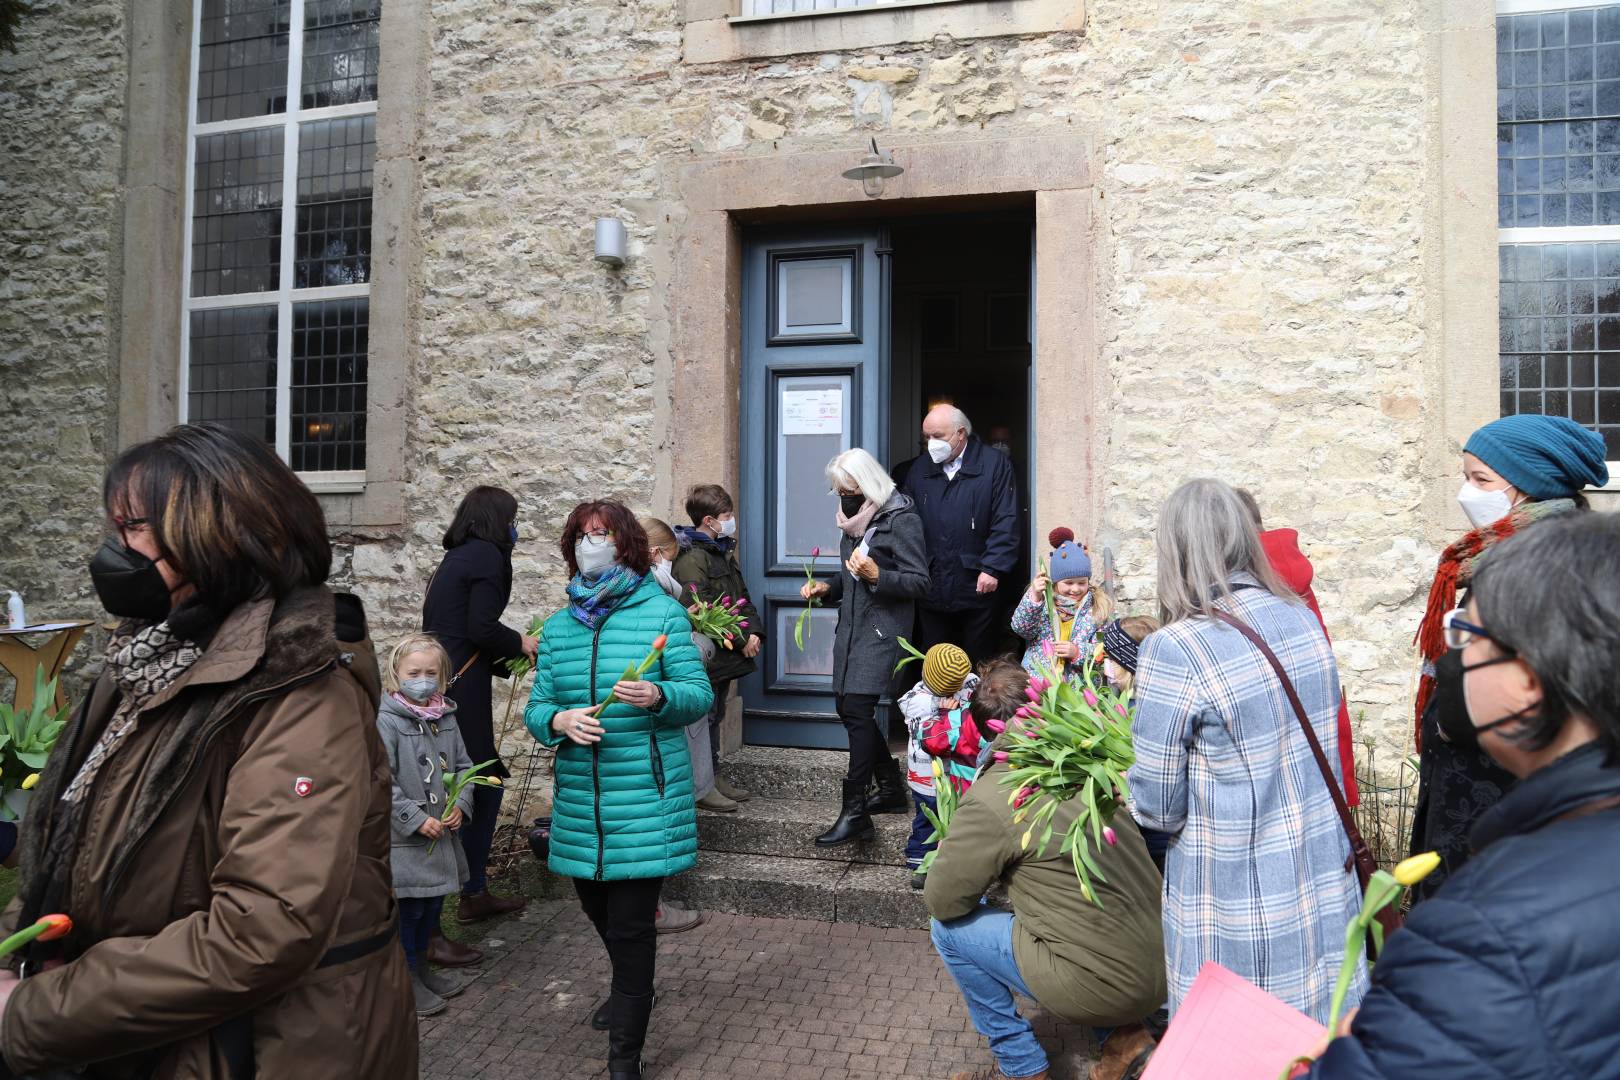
point(1205, 536)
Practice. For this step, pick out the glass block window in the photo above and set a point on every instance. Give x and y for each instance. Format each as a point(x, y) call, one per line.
point(283, 143)
point(1558, 209)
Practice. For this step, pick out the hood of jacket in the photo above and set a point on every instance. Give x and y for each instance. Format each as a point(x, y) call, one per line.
point(1282, 551)
point(1579, 777)
point(689, 536)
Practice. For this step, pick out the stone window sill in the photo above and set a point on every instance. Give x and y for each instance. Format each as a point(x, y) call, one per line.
point(712, 34)
point(871, 9)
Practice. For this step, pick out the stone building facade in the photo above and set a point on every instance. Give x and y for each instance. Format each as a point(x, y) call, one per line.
point(1264, 249)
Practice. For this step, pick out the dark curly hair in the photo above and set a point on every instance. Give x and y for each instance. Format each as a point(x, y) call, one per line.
point(628, 535)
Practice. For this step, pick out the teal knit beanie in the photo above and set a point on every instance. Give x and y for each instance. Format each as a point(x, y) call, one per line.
point(1545, 457)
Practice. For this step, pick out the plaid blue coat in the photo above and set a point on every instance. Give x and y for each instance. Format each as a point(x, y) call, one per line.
point(1255, 877)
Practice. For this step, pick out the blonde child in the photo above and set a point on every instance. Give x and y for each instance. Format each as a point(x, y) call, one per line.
point(1080, 610)
point(418, 726)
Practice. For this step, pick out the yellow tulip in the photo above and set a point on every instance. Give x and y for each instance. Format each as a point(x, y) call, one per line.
point(939, 770)
point(1027, 834)
point(30, 781)
point(1411, 871)
point(494, 781)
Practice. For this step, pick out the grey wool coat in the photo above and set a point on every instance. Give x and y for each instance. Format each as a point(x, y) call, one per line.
point(421, 753)
point(872, 618)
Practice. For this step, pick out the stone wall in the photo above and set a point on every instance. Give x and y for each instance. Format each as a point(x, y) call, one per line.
point(61, 148)
point(1263, 185)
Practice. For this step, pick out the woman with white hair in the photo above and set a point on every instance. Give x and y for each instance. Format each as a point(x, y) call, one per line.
point(885, 573)
point(1258, 876)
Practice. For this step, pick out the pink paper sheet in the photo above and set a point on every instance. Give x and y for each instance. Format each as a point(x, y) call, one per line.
point(1230, 1029)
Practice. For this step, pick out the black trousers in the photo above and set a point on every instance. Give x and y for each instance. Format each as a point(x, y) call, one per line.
point(624, 914)
point(859, 714)
point(974, 629)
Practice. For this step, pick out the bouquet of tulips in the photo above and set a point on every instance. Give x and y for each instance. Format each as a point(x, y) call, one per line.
point(801, 626)
point(719, 620)
point(456, 782)
point(1069, 742)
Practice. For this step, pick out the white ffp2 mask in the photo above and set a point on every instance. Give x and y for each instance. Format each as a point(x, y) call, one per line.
point(939, 451)
point(1483, 507)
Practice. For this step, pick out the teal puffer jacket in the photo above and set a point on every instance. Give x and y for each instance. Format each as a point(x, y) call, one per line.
point(623, 807)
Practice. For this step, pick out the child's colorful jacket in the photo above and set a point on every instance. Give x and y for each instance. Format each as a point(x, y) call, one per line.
point(1029, 622)
point(954, 739)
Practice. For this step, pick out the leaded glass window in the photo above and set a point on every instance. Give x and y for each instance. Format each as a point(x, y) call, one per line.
point(282, 149)
point(1558, 209)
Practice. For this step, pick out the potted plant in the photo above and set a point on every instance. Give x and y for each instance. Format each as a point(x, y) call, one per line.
point(26, 739)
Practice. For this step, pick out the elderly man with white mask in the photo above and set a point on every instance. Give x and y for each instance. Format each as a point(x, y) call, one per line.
point(967, 495)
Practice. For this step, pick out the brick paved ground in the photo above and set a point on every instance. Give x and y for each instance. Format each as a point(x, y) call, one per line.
point(737, 998)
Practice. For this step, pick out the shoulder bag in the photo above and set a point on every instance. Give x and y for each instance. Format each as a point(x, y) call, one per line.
point(1361, 855)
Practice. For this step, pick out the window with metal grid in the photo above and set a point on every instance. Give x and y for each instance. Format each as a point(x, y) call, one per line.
point(793, 7)
point(1558, 210)
point(282, 149)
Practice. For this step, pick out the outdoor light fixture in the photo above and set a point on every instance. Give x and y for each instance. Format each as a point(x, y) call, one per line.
point(873, 170)
point(611, 241)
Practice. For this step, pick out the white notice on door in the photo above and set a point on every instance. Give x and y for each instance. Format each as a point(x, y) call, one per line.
point(813, 412)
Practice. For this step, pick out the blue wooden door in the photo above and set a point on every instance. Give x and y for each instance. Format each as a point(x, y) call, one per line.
point(814, 382)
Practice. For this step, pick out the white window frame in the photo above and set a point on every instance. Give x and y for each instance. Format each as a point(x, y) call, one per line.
point(1559, 234)
point(284, 297)
point(748, 10)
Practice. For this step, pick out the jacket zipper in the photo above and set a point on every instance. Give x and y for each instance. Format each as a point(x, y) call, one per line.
point(128, 859)
point(657, 757)
point(596, 760)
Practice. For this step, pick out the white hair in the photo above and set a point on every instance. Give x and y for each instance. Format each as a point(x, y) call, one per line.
point(858, 469)
point(958, 417)
point(1205, 536)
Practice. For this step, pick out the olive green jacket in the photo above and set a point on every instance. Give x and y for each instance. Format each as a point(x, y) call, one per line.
point(1102, 966)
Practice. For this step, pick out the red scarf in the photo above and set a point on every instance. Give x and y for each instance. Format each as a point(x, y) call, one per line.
point(1456, 570)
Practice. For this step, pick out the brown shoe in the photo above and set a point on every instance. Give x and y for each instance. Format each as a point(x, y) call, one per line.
point(486, 905)
point(671, 918)
point(1120, 1050)
point(446, 953)
point(994, 1073)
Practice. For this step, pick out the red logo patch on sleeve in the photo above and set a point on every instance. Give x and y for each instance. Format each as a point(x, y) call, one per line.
point(303, 787)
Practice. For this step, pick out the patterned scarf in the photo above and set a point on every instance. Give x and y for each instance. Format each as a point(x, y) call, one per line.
point(143, 664)
point(590, 600)
point(1456, 570)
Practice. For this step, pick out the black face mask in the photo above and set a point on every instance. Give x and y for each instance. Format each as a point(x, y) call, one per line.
point(129, 583)
point(851, 504)
point(1458, 727)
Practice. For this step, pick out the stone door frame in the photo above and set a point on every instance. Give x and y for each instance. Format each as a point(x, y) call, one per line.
point(717, 196)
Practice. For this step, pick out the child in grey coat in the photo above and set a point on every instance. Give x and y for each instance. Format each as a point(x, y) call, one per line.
point(418, 726)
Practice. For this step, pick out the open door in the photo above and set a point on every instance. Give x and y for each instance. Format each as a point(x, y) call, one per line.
point(814, 383)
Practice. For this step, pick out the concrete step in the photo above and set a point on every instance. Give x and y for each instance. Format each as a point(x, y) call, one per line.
point(776, 773)
point(788, 827)
point(784, 888)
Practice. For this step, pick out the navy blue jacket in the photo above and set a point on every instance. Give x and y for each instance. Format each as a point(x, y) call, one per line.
point(970, 523)
point(1512, 970)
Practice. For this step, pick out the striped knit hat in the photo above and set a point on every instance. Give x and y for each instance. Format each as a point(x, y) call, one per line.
point(945, 669)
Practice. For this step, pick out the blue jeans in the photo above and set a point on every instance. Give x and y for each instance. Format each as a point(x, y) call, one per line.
point(917, 846)
point(978, 952)
point(418, 915)
point(478, 834)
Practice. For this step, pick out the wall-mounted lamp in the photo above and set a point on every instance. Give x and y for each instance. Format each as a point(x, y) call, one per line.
point(611, 241)
point(873, 170)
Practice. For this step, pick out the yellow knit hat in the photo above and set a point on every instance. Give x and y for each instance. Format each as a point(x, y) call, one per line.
point(945, 669)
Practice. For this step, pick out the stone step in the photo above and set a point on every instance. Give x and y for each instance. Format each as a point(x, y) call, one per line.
point(782, 888)
point(788, 827)
point(777, 773)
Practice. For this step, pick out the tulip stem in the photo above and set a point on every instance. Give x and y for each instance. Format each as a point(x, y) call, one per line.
point(23, 937)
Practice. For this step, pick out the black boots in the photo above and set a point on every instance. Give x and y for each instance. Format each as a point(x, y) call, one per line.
point(890, 796)
point(627, 1031)
point(852, 823)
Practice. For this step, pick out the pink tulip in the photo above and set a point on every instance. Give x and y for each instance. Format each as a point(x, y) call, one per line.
point(1000, 755)
point(815, 553)
point(1091, 699)
point(743, 624)
point(995, 725)
point(1121, 710)
point(725, 601)
point(1024, 712)
point(1022, 797)
point(1041, 684)
point(1110, 836)
point(1048, 651)
point(1031, 693)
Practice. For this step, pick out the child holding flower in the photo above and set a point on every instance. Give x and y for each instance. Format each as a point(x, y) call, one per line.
point(418, 727)
point(947, 684)
point(1059, 641)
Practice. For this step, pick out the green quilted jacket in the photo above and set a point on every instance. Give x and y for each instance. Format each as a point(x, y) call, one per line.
point(623, 807)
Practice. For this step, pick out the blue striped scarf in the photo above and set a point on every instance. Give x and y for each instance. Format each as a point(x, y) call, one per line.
point(590, 600)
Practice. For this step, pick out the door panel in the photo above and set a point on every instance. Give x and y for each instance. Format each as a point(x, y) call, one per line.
point(815, 351)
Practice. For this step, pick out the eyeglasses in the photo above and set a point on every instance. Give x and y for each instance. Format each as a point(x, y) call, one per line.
point(599, 534)
point(1460, 634)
